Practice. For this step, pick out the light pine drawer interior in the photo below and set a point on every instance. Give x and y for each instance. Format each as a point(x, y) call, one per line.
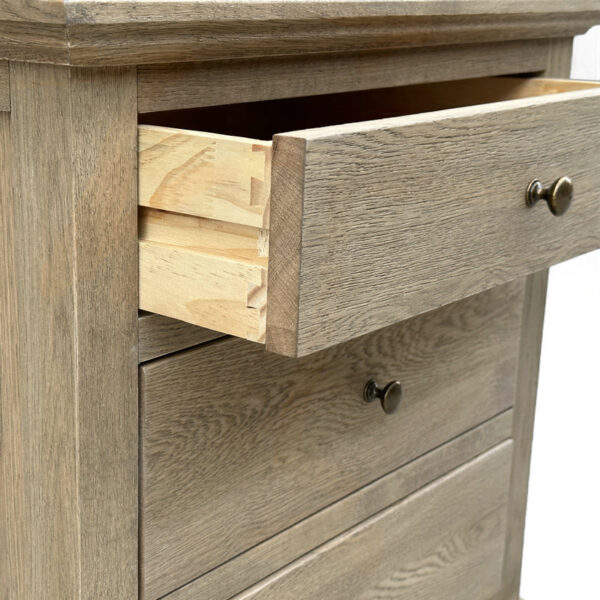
point(374, 210)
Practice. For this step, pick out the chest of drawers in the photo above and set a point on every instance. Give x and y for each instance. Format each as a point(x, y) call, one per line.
point(273, 282)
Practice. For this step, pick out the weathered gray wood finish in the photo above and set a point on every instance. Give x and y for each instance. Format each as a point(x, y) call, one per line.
point(68, 322)
point(289, 437)
point(211, 83)
point(4, 87)
point(9, 564)
point(374, 222)
point(445, 541)
point(559, 65)
point(68, 335)
point(94, 32)
point(276, 552)
point(524, 413)
point(160, 335)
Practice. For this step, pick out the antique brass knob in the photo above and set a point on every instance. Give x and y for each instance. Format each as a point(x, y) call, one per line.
point(558, 196)
point(390, 396)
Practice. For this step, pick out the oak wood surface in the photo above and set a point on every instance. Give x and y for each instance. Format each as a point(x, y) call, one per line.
point(10, 563)
point(164, 87)
point(228, 421)
point(160, 335)
point(33, 11)
point(262, 560)
point(559, 65)
point(94, 12)
point(445, 541)
point(560, 58)
point(94, 33)
point(4, 89)
point(424, 209)
point(524, 413)
point(258, 122)
point(68, 481)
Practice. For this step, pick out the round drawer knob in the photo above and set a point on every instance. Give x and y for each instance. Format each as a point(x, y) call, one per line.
point(390, 395)
point(558, 196)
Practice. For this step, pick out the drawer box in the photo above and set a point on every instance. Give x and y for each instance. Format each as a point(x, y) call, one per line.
point(445, 541)
point(239, 445)
point(366, 223)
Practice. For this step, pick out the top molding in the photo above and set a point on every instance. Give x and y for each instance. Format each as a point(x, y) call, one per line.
point(125, 32)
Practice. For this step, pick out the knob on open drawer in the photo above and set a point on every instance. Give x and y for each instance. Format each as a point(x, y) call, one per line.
point(343, 245)
point(558, 196)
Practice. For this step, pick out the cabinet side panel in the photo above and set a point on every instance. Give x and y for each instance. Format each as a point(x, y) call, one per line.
point(558, 65)
point(69, 342)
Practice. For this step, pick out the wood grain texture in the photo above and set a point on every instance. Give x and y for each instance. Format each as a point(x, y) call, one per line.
point(445, 541)
point(10, 562)
point(33, 11)
point(559, 65)
point(230, 240)
point(275, 553)
point(524, 414)
point(160, 335)
point(424, 209)
point(560, 57)
point(262, 120)
point(209, 269)
point(69, 336)
point(32, 40)
point(204, 272)
point(191, 85)
point(95, 12)
point(206, 175)
point(4, 87)
point(300, 429)
point(101, 33)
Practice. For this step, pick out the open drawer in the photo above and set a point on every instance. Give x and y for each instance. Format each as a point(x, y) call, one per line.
point(382, 205)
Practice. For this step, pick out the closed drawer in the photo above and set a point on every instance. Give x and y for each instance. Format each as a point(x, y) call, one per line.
point(446, 541)
point(335, 231)
point(238, 444)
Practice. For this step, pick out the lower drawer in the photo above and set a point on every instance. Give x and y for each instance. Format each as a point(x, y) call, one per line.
point(239, 445)
point(444, 542)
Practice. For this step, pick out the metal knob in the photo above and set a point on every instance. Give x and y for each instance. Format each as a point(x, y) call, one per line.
point(558, 196)
point(390, 396)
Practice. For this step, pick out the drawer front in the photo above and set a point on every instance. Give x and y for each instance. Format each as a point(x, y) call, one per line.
point(375, 222)
point(369, 223)
point(238, 445)
point(445, 541)
point(282, 549)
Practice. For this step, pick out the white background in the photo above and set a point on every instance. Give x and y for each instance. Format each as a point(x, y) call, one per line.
point(562, 534)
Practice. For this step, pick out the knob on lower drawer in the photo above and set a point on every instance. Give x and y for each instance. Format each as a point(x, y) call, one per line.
point(390, 395)
point(559, 195)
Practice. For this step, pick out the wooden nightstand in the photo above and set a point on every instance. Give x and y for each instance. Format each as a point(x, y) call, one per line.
point(325, 213)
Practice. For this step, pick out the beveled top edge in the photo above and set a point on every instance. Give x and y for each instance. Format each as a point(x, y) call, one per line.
point(129, 32)
point(162, 11)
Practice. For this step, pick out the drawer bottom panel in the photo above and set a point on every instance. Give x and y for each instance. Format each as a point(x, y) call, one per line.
point(445, 541)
